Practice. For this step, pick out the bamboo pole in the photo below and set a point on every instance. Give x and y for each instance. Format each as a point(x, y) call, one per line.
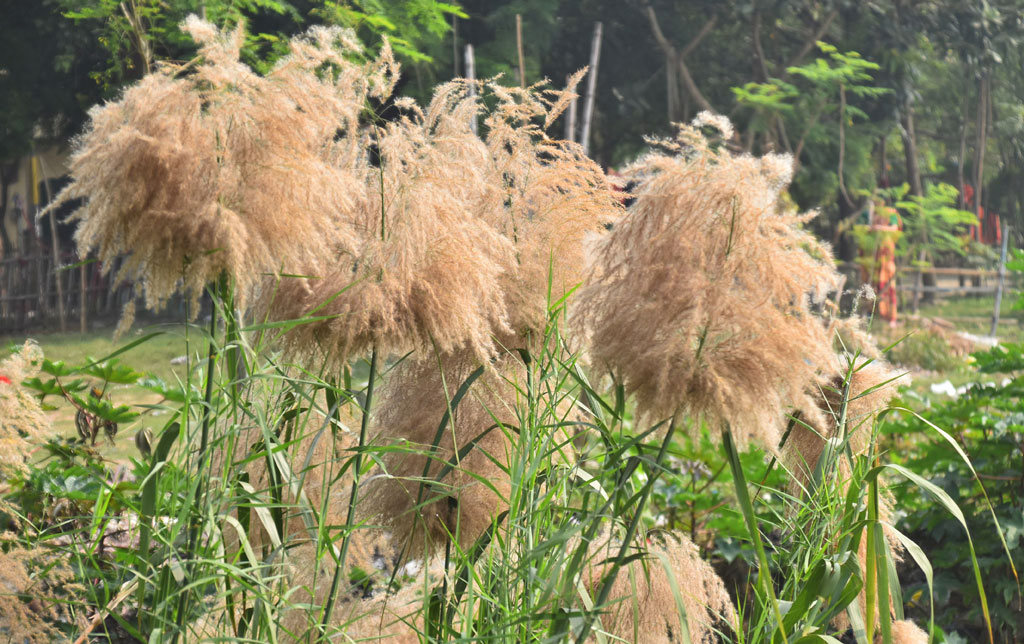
point(455, 46)
point(83, 301)
point(570, 118)
point(470, 62)
point(519, 50)
point(54, 246)
point(999, 283)
point(588, 105)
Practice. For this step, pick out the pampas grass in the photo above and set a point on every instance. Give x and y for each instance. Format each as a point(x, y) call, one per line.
point(461, 238)
point(427, 267)
point(907, 632)
point(450, 259)
point(209, 169)
point(22, 421)
point(701, 300)
point(844, 410)
point(556, 201)
point(422, 510)
point(668, 596)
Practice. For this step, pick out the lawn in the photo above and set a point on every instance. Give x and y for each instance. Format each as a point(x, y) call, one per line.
point(927, 356)
point(153, 357)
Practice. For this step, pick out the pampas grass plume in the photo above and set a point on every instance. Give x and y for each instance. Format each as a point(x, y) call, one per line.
point(210, 170)
point(905, 631)
point(22, 421)
point(872, 385)
point(701, 298)
point(555, 198)
point(426, 269)
point(642, 607)
point(468, 498)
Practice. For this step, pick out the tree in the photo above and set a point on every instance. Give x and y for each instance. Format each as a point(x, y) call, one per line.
point(44, 80)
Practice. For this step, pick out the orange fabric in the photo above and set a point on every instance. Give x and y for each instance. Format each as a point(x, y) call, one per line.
point(885, 281)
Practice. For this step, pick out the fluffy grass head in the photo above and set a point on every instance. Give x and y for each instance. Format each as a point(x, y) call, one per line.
point(555, 200)
point(205, 170)
point(22, 421)
point(703, 298)
point(866, 392)
point(452, 482)
point(427, 267)
point(652, 592)
point(460, 238)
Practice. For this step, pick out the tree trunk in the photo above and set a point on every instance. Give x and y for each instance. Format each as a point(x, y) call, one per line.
point(588, 103)
point(980, 144)
point(883, 162)
point(909, 136)
point(7, 174)
point(676, 65)
point(842, 145)
point(671, 86)
point(961, 158)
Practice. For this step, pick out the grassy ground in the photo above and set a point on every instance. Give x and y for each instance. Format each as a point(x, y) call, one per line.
point(930, 345)
point(927, 358)
point(973, 314)
point(152, 357)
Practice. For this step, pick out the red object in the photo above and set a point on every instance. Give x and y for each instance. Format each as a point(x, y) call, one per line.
point(5, 380)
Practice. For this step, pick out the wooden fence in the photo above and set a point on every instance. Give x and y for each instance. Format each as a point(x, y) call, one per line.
point(34, 296)
point(972, 281)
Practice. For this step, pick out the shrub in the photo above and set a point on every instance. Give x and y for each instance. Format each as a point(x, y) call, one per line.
point(382, 440)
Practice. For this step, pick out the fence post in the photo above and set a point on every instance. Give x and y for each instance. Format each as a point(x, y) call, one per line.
point(570, 118)
point(470, 63)
point(918, 282)
point(588, 105)
point(83, 300)
point(999, 283)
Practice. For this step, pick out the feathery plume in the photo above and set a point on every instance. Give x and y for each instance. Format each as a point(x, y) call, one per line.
point(22, 421)
point(366, 611)
point(701, 298)
point(198, 172)
point(871, 387)
point(555, 200)
point(34, 605)
point(309, 469)
point(421, 507)
point(427, 266)
point(905, 631)
point(461, 239)
point(643, 606)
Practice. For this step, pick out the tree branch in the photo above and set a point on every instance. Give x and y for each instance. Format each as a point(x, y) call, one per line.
point(659, 37)
point(809, 44)
point(761, 68)
point(672, 55)
point(704, 31)
point(691, 87)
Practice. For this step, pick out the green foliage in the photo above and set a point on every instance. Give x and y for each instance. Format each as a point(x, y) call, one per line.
point(138, 33)
point(410, 25)
point(987, 421)
point(63, 485)
point(926, 349)
point(841, 70)
point(933, 225)
point(826, 76)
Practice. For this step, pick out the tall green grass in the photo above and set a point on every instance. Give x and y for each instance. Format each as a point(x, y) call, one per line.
point(214, 556)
